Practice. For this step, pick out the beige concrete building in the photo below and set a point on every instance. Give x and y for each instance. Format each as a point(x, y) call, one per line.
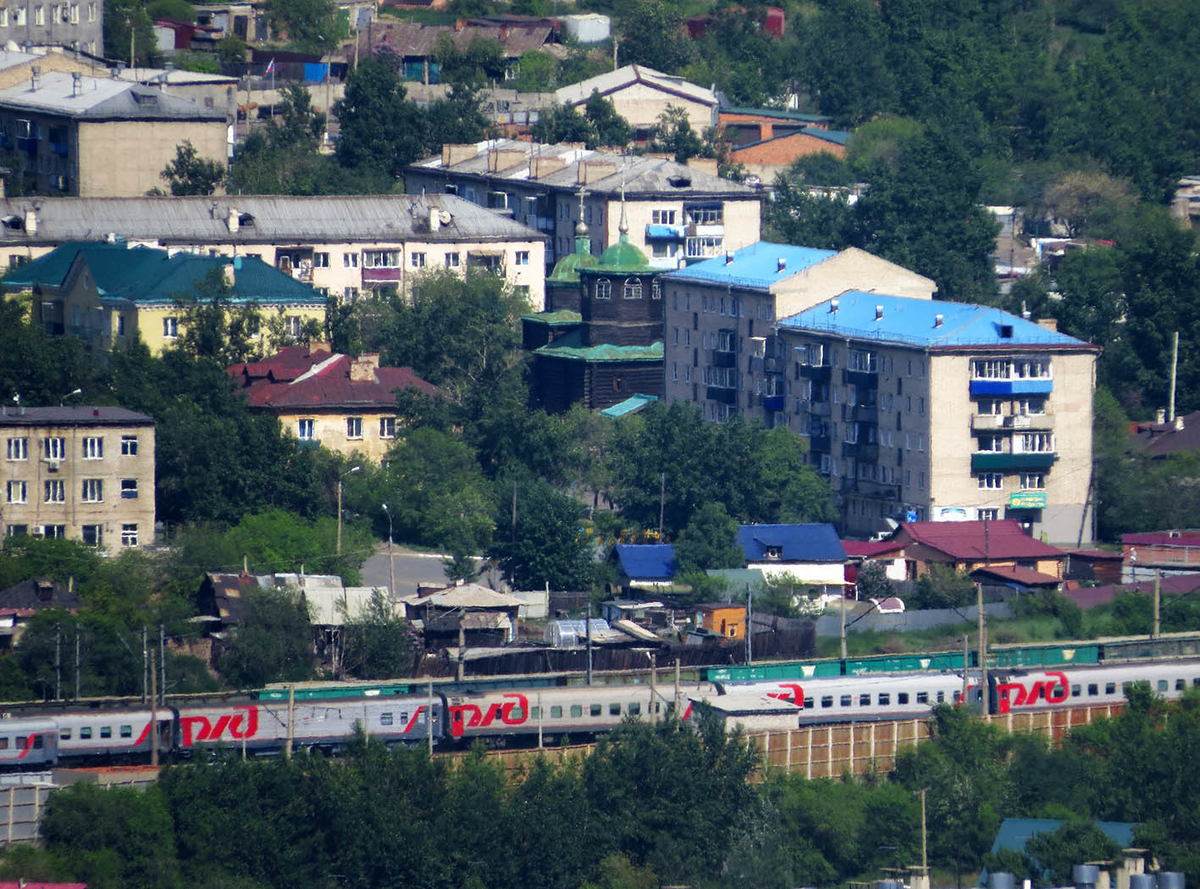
point(99, 136)
point(677, 214)
point(83, 473)
point(343, 246)
point(720, 314)
point(640, 95)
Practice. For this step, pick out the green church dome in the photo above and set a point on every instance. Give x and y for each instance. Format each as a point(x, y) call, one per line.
point(623, 257)
point(566, 270)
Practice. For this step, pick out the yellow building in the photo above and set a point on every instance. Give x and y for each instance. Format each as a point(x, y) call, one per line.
point(330, 400)
point(344, 246)
point(83, 473)
point(100, 136)
point(106, 293)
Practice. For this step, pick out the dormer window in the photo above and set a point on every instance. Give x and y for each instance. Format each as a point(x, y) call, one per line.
point(775, 552)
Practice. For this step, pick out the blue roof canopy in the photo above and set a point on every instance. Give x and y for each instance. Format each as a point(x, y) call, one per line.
point(794, 543)
point(655, 561)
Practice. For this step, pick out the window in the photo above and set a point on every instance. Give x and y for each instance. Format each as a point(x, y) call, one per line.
point(349, 260)
point(655, 290)
point(522, 257)
point(864, 700)
point(662, 217)
point(604, 289)
point(1037, 442)
point(987, 369)
point(93, 490)
point(85, 733)
point(991, 443)
point(1032, 369)
point(120, 325)
point(39, 15)
point(991, 406)
point(1093, 689)
point(556, 711)
point(577, 710)
point(320, 260)
point(884, 699)
point(614, 709)
point(595, 709)
point(452, 260)
point(126, 731)
point(827, 700)
point(54, 448)
point(1033, 407)
point(63, 735)
point(18, 449)
point(416, 260)
point(293, 324)
point(18, 492)
point(387, 427)
point(93, 448)
point(633, 288)
point(988, 515)
point(306, 430)
point(3, 18)
point(860, 360)
point(634, 708)
point(93, 535)
point(91, 12)
point(922, 697)
point(16, 530)
point(1033, 481)
point(55, 491)
point(170, 328)
point(354, 427)
point(992, 481)
point(106, 731)
point(129, 489)
point(846, 700)
point(385, 718)
point(706, 214)
point(902, 698)
point(350, 293)
point(129, 445)
point(1110, 688)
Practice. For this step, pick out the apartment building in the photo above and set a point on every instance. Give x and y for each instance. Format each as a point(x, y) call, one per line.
point(344, 246)
point(920, 410)
point(76, 24)
point(676, 213)
point(100, 136)
point(720, 314)
point(83, 473)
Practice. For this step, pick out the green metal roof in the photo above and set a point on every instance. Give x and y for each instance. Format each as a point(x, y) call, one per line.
point(623, 257)
point(150, 276)
point(630, 405)
point(570, 347)
point(561, 318)
point(566, 270)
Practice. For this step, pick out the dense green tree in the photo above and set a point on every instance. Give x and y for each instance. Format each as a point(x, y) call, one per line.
point(40, 367)
point(546, 544)
point(612, 130)
point(378, 644)
point(190, 174)
point(845, 61)
point(310, 25)
point(652, 34)
point(538, 72)
point(273, 641)
point(673, 134)
point(709, 541)
point(120, 18)
point(562, 123)
point(214, 326)
point(382, 130)
point(942, 587)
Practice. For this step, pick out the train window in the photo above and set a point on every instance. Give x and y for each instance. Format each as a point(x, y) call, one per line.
point(64, 734)
point(37, 740)
point(1076, 691)
point(922, 697)
point(1110, 688)
point(127, 731)
point(614, 709)
point(941, 697)
point(902, 697)
point(535, 712)
point(809, 703)
point(577, 709)
point(884, 699)
point(1162, 685)
point(1093, 689)
point(85, 733)
point(556, 711)
point(3, 743)
point(827, 701)
point(634, 708)
point(106, 731)
point(1180, 684)
point(516, 713)
point(864, 700)
point(386, 718)
point(846, 701)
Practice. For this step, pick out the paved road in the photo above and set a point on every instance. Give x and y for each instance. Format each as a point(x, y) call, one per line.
point(411, 568)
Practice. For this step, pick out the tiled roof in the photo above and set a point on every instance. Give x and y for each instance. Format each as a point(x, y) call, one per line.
point(655, 561)
point(302, 377)
point(11, 415)
point(962, 541)
point(1167, 438)
point(570, 347)
point(926, 323)
point(836, 137)
point(96, 99)
point(755, 267)
point(145, 275)
point(612, 81)
point(642, 176)
point(415, 40)
point(265, 219)
point(798, 543)
point(27, 595)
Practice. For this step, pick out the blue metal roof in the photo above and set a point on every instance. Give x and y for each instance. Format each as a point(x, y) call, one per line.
point(655, 561)
point(799, 543)
point(756, 266)
point(923, 322)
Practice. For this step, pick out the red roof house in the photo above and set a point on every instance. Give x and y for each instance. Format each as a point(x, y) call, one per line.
point(970, 545)
point(1162, 549)
point(329, 399)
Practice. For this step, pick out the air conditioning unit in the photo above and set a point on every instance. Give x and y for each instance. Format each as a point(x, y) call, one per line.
point(52, 465)
point(38, 530)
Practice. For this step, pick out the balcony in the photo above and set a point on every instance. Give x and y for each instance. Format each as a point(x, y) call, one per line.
point(1012, 387)
point(985, 461)
point(860, 413)
point(721, 395)
point(819, 373)
point(986, 422)
point(867, 453)
point(382, 276)
point(773, 402)
point(1030, 421)
point(62, 149)
point(722, 358)
point(820, 443)
point(820, 408)
point(28, 145)
point(861, 378)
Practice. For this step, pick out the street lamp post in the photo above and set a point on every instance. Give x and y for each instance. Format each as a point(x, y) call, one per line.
point(391, 563)
point(62, 400)
point(349, 471)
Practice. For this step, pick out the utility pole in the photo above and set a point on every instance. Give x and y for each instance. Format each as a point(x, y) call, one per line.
point(678, 693)
point(77, 662)
point(749, 626)
point(153, 716)
point(146, 668)
point(58, 662)
point(162, 664)
point(653, 687)
point(341, 476)
point(662, 502)
point(429, 718)
point(587, 631)
point(843, 630)
point(1174, 373)
point(1157, 603)
point(983, 673)
point(291, 726)
point(966, 666)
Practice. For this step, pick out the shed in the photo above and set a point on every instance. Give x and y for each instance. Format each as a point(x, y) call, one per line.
point(722, 618)
point(645, 565)
point(572, 633)
point(468, 607)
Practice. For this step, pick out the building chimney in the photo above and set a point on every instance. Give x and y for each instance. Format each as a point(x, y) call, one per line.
point(728, 258)
point(229, 274)
point(1160, 416)
point(363, 368)
point(833, 306)
point(456, 154)
point(1048, 323)
point(1179, 422)
point(35, 76)
point(234, 220)
point(435, 219)
point(76, 83)
point(781, 263)
point(938, 320)
point(31, 220)
point(879, 313)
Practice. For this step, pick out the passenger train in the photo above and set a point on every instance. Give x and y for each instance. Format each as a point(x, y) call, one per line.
point(523, 716)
